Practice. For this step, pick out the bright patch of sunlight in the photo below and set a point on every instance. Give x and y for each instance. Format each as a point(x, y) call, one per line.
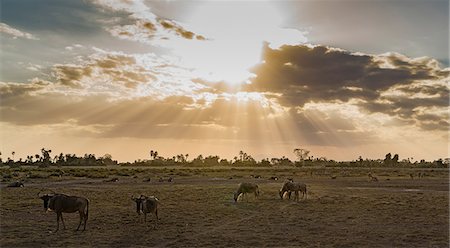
point(235, 33)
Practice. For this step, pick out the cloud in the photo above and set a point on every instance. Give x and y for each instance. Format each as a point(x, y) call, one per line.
point(123, 76)
point(391, 84)
point(34, 104)
point(146, 26)
point(15, 33)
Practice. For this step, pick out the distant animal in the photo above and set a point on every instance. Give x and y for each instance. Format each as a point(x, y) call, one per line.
point(372, 178)
point(273, 178)
point(295, 187)
point(161, 179)
point(170, 180)
point(145, 205)
point(333, 177)
point(112, 180)
point(61, 203)
point(16, 184)
point(245, 188)
point(146, 180)
point(411, 175)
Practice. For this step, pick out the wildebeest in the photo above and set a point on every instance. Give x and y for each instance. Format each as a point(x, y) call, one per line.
point(245, 188)
point(372, 178)
point(295, 187)
point(16, 184)
point(61, 203)
point(146, 204)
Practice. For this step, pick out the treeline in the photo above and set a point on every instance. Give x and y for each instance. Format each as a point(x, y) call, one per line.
point(45, 159)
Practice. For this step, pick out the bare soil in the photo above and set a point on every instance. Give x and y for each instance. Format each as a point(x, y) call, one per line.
point(197, 210)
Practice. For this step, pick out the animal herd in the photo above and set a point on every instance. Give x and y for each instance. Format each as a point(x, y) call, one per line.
point(61, 203)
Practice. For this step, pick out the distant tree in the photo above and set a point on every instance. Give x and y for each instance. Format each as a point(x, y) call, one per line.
point(301, 154)
point(212, 160)
point(46, 156)
point(13, 153)
point(387, 159)
point(395, 159)
point(241, 155)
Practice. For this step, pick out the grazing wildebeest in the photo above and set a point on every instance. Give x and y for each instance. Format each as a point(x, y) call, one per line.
point(60, 203)
point(16, 184)
point(245, 188)
point(295, 187)
point(146, 204)
point(372, 178)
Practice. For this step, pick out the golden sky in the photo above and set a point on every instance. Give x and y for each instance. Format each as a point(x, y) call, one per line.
point(217, 77)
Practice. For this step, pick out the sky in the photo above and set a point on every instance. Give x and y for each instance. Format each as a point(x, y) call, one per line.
point(341, 79)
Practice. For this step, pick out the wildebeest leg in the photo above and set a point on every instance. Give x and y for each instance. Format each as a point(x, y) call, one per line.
point(289, 194)
point(297, 195)
point(156, 223)
point(57, 222)
point(85, 217)
point(81, 218)
point(62, 219)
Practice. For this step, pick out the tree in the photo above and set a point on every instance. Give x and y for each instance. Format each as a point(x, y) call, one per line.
point(301, 154)
point(395, 159)
point(387, 159)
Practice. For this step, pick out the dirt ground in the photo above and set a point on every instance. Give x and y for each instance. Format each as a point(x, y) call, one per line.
point(197, 210)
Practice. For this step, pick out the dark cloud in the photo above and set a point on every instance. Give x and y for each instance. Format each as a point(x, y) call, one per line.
point(114, 68)
point(70, 75)
point(179, 30)
point(296, 75)
point(319, 68)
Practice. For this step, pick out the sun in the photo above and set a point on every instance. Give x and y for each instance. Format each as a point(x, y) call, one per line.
point(235, 32)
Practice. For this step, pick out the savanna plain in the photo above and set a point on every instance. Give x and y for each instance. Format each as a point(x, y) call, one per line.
point(343, 208)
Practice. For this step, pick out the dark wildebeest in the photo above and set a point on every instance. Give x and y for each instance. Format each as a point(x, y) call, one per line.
point(245, 188)
point(16, 184)
point(147, 204)
point(60, 203)
point(290, 186)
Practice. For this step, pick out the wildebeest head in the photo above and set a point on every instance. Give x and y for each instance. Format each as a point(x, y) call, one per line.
point(46, 198)
point(139, 201)
point(281, 193)
point(236, 195)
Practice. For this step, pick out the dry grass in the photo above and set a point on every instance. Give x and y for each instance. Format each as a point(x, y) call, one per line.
point(198, 210)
